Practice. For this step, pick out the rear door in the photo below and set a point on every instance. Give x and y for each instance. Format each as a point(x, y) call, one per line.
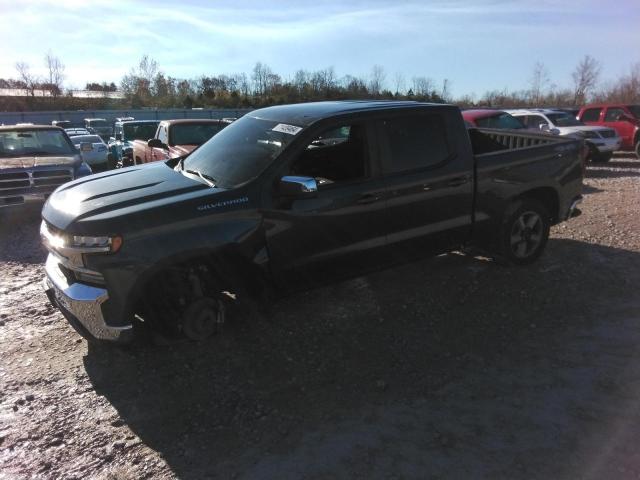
point(429, 182)
point(341, 230)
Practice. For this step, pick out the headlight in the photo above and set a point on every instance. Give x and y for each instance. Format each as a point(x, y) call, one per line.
point(79, 243)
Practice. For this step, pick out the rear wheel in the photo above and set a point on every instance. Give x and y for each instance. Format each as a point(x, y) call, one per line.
point(525, 231)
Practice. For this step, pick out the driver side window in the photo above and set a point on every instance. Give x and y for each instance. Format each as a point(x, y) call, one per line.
point(337, 155)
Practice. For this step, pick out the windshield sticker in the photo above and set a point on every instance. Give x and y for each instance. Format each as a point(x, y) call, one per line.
point(223, 203)
point(284, 128)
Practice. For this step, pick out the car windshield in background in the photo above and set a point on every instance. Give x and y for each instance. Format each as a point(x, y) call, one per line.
point(193, 133)
point(241, 151)
point(564, 120)
point(86, 139)
point(141, 131)
point(503, 120)
point(34, 142)
point(98, 123)
point(635, 109)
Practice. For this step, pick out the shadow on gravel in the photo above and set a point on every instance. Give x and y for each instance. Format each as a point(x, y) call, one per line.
point(250, 401)
point(20, 233)
point(616, 167)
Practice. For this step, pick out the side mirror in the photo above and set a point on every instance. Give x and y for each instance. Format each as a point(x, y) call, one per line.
point(118, 136)
point(156, 143)
point(544, 127)
point(86, 147)
point(297, 187)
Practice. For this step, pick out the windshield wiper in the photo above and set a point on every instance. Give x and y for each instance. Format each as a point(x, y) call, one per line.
point(206, 178)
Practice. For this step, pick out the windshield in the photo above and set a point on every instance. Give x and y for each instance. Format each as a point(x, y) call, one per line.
point(564, 120)
point(503, 120)
point(98, 123)
point(635, 109)
point(139, 131)
point(34, 142)
point(77, 140)
point(193, 133)
point(241, 151)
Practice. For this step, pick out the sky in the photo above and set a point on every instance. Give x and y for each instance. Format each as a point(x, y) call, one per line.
point(478, 45)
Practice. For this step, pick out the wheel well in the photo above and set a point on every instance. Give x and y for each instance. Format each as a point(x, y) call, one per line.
point(175, 283)
point(548, 197)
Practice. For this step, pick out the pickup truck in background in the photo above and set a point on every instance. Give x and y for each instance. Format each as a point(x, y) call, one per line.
point(293, 196)
point(625, 119)
point(601, 141)
point(175, 138)
point(34, 161)
point(491, 118)
point(99, 126)
point(125, 134)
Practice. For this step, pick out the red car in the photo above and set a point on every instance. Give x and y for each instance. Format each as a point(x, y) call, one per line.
point(490, 118)
point(625, 119)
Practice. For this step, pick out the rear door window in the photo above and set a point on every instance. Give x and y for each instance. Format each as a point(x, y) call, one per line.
point(613, 114)
point(414, 142)
point(591, 115)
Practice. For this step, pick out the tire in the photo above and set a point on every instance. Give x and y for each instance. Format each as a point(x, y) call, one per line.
point(525, 231)
point(603, 157)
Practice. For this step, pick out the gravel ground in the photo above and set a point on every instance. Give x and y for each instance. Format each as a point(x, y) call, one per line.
point(451, 367)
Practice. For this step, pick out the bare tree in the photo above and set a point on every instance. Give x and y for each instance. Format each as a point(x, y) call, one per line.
point(539, 82)
point(422, 87)
point(445, 94)
point(377, 79)
point(55, 68)
point(399, 82)
point(29, 80)
point(585, 77)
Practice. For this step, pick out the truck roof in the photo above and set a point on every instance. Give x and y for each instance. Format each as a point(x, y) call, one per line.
point(4, 128)
point(129, 122)
point(304, 114)
point(192, 120)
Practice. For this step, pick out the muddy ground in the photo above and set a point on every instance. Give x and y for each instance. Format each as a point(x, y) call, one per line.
point(452, 367)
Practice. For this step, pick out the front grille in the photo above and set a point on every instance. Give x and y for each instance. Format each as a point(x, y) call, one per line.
point(33, 180)
point(10, 181)
point(607, 133)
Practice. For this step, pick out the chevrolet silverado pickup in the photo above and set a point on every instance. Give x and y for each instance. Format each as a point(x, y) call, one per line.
point(175, 138)
point(293, 196)
point(34, 161)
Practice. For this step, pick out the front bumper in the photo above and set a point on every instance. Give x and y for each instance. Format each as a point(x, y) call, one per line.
point(22, 199)
point(606, 145)
point(81, 305)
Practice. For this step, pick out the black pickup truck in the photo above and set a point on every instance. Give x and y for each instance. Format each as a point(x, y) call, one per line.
point(291, 196)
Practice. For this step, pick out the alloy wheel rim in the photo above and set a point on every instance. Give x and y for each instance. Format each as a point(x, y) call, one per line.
point(526, 234)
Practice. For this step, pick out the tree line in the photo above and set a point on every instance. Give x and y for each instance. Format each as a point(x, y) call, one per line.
point(147, 86)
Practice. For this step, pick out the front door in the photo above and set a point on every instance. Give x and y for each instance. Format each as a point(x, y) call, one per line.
point(337, 232)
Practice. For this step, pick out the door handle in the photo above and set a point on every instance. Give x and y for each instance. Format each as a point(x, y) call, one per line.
point(456, 182)
point(368, 198)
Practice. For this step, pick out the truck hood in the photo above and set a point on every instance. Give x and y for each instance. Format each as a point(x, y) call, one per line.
point(180, 150)
point(118, 193)
point(31, 162)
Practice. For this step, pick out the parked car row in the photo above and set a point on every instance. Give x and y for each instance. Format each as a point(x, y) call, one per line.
point(604, 128)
